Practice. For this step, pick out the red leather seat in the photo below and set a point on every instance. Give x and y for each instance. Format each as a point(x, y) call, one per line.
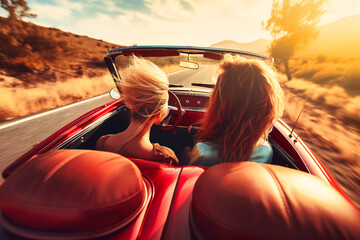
point(76, 192)
point(258, 201)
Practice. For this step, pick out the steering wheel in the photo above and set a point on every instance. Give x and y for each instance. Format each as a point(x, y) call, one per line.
point(178, 113)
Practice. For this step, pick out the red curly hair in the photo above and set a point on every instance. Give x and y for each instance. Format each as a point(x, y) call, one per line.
point(244, 105)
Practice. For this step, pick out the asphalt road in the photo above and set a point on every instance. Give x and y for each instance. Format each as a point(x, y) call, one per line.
point(19, 135)
point(205, 74)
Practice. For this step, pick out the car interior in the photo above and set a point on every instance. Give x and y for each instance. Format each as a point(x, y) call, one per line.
point(193, 103)
point(176, 139)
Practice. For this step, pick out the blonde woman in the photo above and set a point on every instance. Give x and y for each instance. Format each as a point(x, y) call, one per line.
point(244, 105)
point(144, 88)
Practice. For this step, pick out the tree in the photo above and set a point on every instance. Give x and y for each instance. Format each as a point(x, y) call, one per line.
point(292, 25)
point(281, 50)
point(16, 9)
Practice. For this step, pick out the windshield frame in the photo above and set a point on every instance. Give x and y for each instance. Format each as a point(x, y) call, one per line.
point(165, 50)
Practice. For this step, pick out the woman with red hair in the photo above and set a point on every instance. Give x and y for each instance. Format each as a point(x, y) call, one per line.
point(245, 103)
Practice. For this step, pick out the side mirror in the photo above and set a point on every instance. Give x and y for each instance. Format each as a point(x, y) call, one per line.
point(114, 94)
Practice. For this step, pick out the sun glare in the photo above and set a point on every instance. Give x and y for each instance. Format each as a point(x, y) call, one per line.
point(339, 9)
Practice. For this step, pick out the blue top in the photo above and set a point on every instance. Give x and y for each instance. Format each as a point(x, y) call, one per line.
point(204, 154)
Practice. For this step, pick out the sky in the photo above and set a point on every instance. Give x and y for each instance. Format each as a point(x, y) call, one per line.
point(167, 22)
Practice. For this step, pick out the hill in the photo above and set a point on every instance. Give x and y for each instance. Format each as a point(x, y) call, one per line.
point(33, 54)
point(339, 39)
point(259, 46)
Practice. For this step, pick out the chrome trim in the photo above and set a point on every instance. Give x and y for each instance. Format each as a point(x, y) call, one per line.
point(190, 92)
point(194, 109)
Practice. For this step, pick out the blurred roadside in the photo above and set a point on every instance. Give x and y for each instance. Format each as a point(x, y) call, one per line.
point(24, 100)
point(332, 138)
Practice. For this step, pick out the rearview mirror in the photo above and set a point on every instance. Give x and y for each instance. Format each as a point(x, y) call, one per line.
point(191, 65)
point(114, 94)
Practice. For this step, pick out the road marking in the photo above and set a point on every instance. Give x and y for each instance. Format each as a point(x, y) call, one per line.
point(6, 125)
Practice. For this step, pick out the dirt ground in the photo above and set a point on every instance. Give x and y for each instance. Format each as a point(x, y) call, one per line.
point(333, 142)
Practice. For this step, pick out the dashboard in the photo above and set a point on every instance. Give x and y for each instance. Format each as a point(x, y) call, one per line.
point(194, 105)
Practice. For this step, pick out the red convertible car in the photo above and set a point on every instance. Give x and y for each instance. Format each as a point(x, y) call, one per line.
point(64, 189)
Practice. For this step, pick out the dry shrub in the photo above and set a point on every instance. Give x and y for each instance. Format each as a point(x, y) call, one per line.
point(317, 122)
point(336, 97)
point(27, 41)
point(351, 78)
point(321, 58)
point(321, 73)
point(303, 85)
point(352, 109)
point(8, 106)
point(306, 71)
point(342, 72)
point(332, 141)
point(17, 102)
point(292, 108)
point(326, 75)
point(27, 49)
point(83, 88)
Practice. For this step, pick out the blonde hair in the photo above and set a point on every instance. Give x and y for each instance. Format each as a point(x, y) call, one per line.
point(245, 103)
point(144, 87)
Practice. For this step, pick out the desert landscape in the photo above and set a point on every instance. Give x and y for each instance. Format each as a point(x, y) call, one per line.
point(326, 72)
point(67, 68)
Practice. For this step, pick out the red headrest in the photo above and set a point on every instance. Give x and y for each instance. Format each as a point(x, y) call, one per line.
point(258, 201)
point(72, 191)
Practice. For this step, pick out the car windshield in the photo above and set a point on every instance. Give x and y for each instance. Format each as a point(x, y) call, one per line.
point(185, 69)
point(182, 70)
